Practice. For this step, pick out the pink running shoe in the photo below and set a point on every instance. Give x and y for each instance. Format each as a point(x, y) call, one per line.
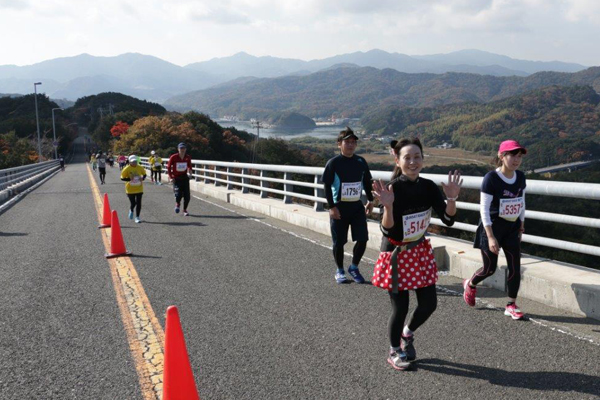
point(513, 311)
point(469, 293)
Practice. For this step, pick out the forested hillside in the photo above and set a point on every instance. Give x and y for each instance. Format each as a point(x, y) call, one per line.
point(558, 124)
point(18, 131)
point(100, 112)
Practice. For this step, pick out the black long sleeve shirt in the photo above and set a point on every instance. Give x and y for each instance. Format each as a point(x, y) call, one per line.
point(345, 178)
point(412, 201)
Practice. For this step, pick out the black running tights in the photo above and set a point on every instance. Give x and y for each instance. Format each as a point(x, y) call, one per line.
point(490, 263)
point(427, 303)
point(136, 203)
point(358, 252)
point(156, 176)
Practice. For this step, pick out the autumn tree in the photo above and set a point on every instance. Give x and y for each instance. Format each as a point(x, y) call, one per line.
point(119, 129)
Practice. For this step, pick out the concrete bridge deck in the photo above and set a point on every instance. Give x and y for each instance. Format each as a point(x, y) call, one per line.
point(262, 315)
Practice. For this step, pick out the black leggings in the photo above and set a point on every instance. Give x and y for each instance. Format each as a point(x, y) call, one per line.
point(102, 172)
point(358, 252)
point(490, 263)
point(156, 176)
point(427, 303)
point(181, 188)
point(136, 203)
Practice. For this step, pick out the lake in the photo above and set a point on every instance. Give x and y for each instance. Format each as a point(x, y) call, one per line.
point(321, 132)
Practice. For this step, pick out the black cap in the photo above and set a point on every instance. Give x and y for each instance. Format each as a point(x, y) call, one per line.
point(346, 134)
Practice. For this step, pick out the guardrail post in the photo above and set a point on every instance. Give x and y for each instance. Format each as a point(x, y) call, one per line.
point(216, 169)
point(288, 188)
point(319, 192)
point(229, 185)
point(245, 180)
point(263, 194)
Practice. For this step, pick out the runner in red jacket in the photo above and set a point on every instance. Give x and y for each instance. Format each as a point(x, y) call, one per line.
point(178, 168)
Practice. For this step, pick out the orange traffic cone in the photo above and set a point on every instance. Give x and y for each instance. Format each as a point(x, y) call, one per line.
point(178, 379)
point(117, 245)
point(106, 213)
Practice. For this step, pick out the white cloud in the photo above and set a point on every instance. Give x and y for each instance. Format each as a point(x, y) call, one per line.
point(14, 4)
point(580, 10)
point(308, 29)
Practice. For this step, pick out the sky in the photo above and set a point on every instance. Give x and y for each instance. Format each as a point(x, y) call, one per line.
point(186, 31)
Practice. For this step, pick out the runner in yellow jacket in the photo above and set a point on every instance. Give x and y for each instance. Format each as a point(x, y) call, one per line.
point(156, 168)
point(134, 174)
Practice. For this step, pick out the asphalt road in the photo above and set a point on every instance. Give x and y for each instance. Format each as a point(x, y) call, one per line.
point(262, 315)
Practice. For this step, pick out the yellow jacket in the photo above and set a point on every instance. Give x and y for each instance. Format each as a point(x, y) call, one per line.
point(153, 160)
point(135, 176)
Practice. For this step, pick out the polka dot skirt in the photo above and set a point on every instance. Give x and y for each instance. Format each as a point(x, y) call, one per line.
point(416, 268)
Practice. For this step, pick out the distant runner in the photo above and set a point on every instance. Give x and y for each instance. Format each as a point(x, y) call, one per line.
point(101, 158)
point(155, 168)
point(406, 260)
point(122, 160)
point(61, 159)
point(134, 174)
point(94, 162)
point(345, 177)
point(178, 167)
point(502, 209)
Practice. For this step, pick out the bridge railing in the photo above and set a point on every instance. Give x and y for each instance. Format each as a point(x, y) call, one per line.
point(257, 177)
point(15, 180)
point(14, 176)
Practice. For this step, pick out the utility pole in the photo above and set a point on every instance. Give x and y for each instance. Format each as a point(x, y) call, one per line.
point(54, 143)
point(37, 121)
point(256, 124)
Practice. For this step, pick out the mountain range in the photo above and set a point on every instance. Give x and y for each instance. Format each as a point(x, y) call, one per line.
point(352, 91)
point(154, 79)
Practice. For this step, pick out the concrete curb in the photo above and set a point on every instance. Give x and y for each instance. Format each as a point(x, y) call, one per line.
point(564, 286)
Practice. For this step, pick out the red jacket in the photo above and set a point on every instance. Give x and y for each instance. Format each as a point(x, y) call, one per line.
point(177, 167)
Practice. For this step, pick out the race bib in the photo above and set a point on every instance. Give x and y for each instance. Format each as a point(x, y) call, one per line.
point(415, 225)
point(181, 166)
point(510, 209)
point(351, 191)
point(157, 164)
point(136, 180)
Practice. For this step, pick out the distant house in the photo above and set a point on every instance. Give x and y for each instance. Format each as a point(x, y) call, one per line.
point(445, 146)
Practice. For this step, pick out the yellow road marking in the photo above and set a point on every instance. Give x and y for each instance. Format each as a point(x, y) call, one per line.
point(145, 335)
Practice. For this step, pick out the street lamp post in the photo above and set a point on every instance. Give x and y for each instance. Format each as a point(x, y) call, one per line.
point(54, 134)
point(37, 121)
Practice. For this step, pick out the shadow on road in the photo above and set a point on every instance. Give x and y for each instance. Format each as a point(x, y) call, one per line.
point(223, 217)
point(548, 381)
point(175, 223)
point(141, 256)
point(7, 234)
point(566, 320)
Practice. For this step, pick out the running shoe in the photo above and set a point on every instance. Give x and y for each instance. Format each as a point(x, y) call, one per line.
point(398, 360)
point(177, 209)
point(512, 310)
point(469, 293)
point(130, 214)
point(407, 346)
point(137, 220)
point(185, 213)
point(355, 274)
point(340, 277)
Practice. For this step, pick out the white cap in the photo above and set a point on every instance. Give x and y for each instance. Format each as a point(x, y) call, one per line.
point(132, 158)
point(153, 152)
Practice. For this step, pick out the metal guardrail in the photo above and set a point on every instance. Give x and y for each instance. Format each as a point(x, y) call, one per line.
point(245, 176)
point(15, 180)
